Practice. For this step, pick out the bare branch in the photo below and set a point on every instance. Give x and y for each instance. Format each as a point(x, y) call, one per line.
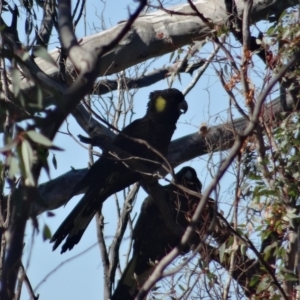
point(103, 253)
point(122, 225)
point(43, 35)
point(105, 86)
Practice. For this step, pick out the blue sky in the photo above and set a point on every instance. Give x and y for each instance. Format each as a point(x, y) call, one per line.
point(82, 277)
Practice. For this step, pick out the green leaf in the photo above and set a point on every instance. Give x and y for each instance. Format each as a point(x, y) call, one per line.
point(46, 233)
point(39, 138)
point(28, 26)
point(254, 280)
point(54, 162)
point(291, 215)
point(8, 147)
point(243, 249)
point(226, 70)
point(171, 56)
point(13, 167)
point(181, 287)
point(283, 14)
point(258, 41)
point(22, 100)
point(28, 159)
point(25, 56)
point(179, 77)
point(263, 285)
point(290, 277)
point(43, 54)
point(56, 148)
point(15, 78)
point(267, 252)
point(222, 251)
point(39, 97)
point(254, 176)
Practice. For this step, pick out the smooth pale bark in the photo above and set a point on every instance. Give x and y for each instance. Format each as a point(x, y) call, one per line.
point(158, 33)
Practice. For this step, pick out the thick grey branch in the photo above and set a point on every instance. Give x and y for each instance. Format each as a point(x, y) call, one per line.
point(158, 33)
point(43, 35)
point(106, 86)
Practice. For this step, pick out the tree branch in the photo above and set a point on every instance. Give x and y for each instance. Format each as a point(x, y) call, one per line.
point(150, 37)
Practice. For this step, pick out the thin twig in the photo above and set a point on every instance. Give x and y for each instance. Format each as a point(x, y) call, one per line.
point(61, 265)
point(201, 71)
point(116, 243)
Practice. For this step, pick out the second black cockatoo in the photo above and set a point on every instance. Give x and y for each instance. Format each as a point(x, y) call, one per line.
point(152, 239)
point(110, 175)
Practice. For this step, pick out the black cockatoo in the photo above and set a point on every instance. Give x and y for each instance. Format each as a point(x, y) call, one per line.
point(152, 239)
point(110, 175)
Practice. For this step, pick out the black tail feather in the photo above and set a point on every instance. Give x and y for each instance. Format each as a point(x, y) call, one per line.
point(76, 223)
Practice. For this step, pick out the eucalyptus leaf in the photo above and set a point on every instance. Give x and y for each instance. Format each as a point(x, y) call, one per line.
point(13, 167)
point(39, 138)
point(222, 251)
point(28, 159)
point(54, 161)
point(46, 233)
point(43, 54)
point(15, 77)
point(8, 147)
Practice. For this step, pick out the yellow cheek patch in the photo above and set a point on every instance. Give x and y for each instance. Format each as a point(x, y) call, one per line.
point(160, 104)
